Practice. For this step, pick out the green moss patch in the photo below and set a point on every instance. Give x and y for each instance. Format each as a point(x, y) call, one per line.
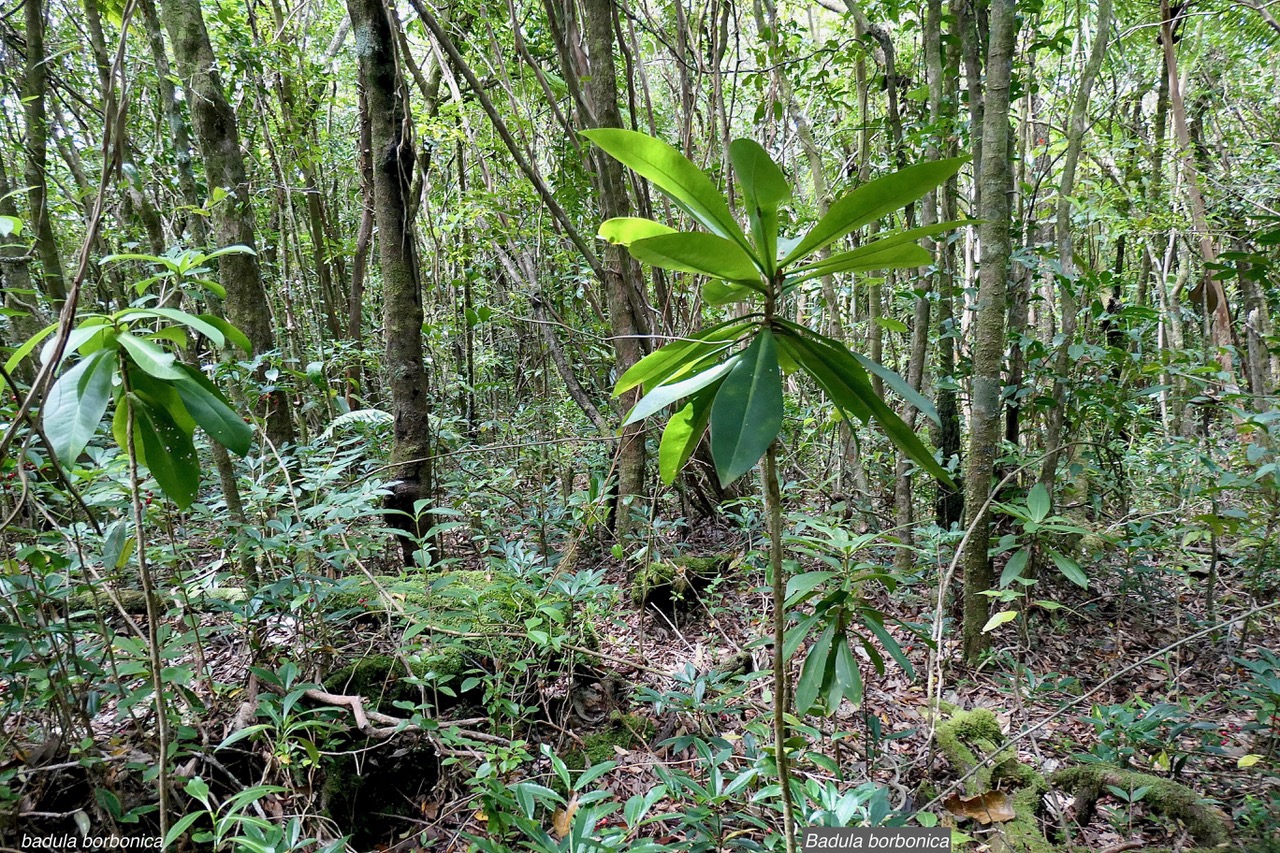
point(676, 584)
point(1173, 800)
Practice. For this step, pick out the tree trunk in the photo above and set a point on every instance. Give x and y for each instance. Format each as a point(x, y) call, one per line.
point(623, 282)
point(233, 219)
point(393, 160)
point(988, 348)
point(35, 86)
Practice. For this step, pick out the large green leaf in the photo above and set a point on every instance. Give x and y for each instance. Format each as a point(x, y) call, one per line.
point(908, 256)
point(664, 395)
point(192, 321)
point(660, 364)
point(79, 337)
point(764, 187)
point(876, 249)
point(815, 671)
point(847, 675)
point(837, 386)
point(716, 292)
point(625, 230)
point(683, 432)
point(233, 334)
point(162, 394)
point(820, 352)
point(28, 346)
point(1070, 568)
point(873, 200)
point(76, 403)
point(167, 452)
point(900, 386)
point(697, 252)
point(212, 412)
point(673, 174)
point(747, 414)
point(152, 359)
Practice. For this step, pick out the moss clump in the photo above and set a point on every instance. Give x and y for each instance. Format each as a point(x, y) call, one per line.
point(464, 600)
point(675, 584)
point(623, 732)
point(972, 739)
point(1175, 801)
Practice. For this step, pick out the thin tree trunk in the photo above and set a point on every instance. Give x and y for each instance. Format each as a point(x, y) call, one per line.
point(989, 332)
point(1066, 247)
point(402, 315)
point(35, 87)
point(233, 218)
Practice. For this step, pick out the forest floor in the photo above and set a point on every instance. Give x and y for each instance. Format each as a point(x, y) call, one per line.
point(659, 682)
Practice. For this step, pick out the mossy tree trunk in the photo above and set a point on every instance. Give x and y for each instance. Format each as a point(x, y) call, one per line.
point(218, 136)
point(393, 158)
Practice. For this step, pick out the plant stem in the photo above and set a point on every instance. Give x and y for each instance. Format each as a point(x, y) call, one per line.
point(153, 610)
point(773, 509)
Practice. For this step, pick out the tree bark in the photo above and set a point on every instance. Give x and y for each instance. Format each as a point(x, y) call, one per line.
point(402, 315)
point(989, 332)
point(35, 86)
point(233, 218)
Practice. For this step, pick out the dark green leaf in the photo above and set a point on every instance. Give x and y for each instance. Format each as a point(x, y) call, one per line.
point(813, 673)
point(193, 321)
point(875, 625)
point(847, 673)
point(168, 453)
point(877, 251)
point(747, 414)
point(800, 586)
point(1013, 568)
point(683, 432)
point(1070, 568)
point(895, 257)
point(672, 173)
point(697, 252)
point(838, 387)
point(899, 385)
point(76, 403)
point(213, 413)
point(873, 200)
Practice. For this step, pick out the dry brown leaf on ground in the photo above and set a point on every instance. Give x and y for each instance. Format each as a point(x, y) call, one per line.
point(991, 807)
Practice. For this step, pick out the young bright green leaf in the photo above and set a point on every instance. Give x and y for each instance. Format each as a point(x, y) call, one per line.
point(89, 328)
point(1070, 568)
point(908, 256)
point(625, 230)
point(76, 403)
point(873, 200)
point(999, 619)
point(1038, 503)
point(193, 321)
point(813, 673)
point(764, 187)
point(697, 252)
point(210, 410)
point(716, 292)
point(673, 174)
point(1013, 568)
point(683, 432)
point(664, 395)
point(662, 363)
point(747, 414)
point(799, 587)
point(28, 347)
point(153, 360)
